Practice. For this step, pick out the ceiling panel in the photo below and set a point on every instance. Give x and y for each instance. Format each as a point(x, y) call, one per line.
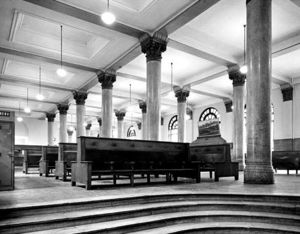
point(137, 13)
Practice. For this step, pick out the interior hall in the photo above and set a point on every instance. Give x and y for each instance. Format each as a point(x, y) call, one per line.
point(153, 116)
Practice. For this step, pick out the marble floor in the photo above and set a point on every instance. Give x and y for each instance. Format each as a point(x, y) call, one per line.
point(32, 189)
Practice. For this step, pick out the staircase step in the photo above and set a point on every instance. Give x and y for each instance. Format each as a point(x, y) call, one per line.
point(65, 219)
point(221, 227)
point(161, 220)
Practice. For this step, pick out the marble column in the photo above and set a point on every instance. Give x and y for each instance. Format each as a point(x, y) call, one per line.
point(120, 117)
point(80, 98)
point(70, 134)
point(63, 109)
point(50, 117)
point(88, 129)
point(181, 95)
point(258, 162)
point(238, 81)
point(143, 107)
point(107, 79)
point(153, 48)
point(99, 119)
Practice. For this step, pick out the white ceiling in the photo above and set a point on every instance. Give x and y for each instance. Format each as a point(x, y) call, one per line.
point(200, 47)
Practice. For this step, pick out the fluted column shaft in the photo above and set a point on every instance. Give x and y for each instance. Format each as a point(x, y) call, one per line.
point(62, 122)
point(107, 79)
point(153, 47)
point(258, 163)
point(50, 117)
point(238, 81)
point(80, 98)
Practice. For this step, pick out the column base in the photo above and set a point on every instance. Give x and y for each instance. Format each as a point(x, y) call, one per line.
point(258, 173)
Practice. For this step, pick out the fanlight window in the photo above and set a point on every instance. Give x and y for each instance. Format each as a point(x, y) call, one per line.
point(131, 132)
point(173, 129)
point(209, 113)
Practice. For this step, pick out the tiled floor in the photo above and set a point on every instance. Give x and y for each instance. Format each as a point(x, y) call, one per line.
point(32, 189)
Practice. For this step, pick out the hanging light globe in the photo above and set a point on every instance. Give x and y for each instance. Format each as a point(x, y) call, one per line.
point(27, 109)
point(108, 17)
point(244, 69)
point(40, 97)
point(61, 72)
point(19, 119)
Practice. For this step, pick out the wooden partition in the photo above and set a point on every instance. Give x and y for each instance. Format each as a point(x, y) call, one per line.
point(47, 162)
point(109, 156)
point(32, 155)
point(214, 158)
point(66, 154)
point(286, 160)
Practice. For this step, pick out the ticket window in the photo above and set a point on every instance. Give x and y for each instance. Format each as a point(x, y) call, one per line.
point(7, 133)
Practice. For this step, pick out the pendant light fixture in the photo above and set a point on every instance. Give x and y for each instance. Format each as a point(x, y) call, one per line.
point(27, 109)
point(108, 17)
point(244, 68)
point(60, 71)
point(40, 96)
point(19, 118)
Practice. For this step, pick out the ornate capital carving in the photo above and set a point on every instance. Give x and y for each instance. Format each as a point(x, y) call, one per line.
point(99, 119)
point(139, 124)
point(228, 105)
point(63, 109)
point(88, 126)
point(50, 117)
point(143, 106)
point(287, 92)
point(153, 46)
point(189, 112)
point(238, 79)
point(107, 79)
point(181, 94)
point(120, 115)
point(80, 97)
point(70, 131)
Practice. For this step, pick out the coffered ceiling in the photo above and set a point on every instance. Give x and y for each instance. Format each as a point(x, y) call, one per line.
point(205, 38)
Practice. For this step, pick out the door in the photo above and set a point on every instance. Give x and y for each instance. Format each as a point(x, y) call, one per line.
point(6, 155)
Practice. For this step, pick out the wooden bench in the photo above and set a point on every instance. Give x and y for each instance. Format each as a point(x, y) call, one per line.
point(47, 162)
point(119, 157)
point(31, 156)
point(67, 152)
point(286, 160)
point(214, 158)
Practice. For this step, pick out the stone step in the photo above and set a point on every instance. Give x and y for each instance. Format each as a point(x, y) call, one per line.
point(79, 204)
point(221, 227)
point(64, 219)
point(161, 220)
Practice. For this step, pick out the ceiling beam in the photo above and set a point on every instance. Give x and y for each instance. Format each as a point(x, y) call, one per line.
point(280, 80)
point(186, 16)
point(86, 16)
point(45, 59)
point(205, 93)
point(286, 46)
point(199, 53)
point(12, 80)
point(11, 97)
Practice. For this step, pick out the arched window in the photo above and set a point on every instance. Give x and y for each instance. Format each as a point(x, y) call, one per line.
point(209, 113)
point(173, 129)
point(131, 132)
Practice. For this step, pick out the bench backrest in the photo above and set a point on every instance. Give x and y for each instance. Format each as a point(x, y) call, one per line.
point(286, 159)
point(50, 153)
point(32, 153)
point(101, 150)
point(210, 153)
point(67, 152)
